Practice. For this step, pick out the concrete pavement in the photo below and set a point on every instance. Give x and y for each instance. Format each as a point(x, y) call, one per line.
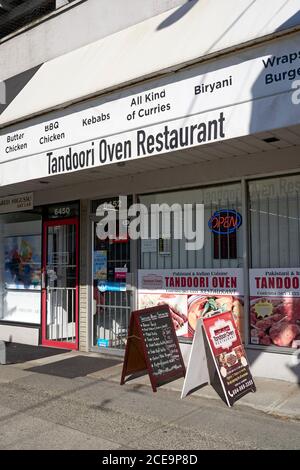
point(275, 397)
point(43, 406)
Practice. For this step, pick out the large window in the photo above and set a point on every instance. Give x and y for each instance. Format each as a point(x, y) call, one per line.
point(20, 267)
point(221, 249)
point(201, 281)
point(274, 211)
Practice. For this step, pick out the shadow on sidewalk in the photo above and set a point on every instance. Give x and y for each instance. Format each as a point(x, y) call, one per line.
point(73, 367)
point(17, 353)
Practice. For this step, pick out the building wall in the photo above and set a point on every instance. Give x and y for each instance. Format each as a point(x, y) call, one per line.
point(19, 334)
point(75, 26)
point(54, 37)
point(274, 365)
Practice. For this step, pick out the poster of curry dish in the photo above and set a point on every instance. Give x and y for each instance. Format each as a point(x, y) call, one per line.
point(275, 307)
point(192, 295)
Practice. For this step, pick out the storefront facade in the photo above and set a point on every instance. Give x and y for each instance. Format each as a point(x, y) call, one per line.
point(247, 270)
point(224, 134)
point(40, 273)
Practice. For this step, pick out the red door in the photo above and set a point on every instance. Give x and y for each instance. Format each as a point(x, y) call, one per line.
point(60, 283)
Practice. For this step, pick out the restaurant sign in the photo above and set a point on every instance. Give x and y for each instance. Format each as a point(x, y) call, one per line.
point(190, 108)
point(16, 203)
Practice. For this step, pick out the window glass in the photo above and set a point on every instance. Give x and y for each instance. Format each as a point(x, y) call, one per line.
point(274, 210)
point(20, 267)
point(206, 279)
point(112, 299)
point(219, 250)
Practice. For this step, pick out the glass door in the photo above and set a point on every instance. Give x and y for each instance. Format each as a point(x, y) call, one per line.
point(112, 297)
point(60, 284)
point(113, 291)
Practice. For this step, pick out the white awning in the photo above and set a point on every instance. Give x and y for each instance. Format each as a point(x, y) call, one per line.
point(158, 45)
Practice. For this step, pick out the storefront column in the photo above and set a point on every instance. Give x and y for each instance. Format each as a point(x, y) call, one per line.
point(245, 259)
point(134, 265)
point(84, 278)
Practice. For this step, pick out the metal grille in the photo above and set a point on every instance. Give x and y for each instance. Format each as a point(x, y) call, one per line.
point(14, 14)
point(275, 222)
point(112, 318)
point(61, 283)
point(113, 308)
point(61, 313)
point(111, 311)
point(216, 198)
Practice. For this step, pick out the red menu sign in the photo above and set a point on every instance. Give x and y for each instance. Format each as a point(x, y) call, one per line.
point(229, 356)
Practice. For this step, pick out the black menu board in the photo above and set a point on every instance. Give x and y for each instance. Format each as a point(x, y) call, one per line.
point(153, 345)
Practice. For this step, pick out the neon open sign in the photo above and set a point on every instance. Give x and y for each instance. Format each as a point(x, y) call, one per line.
point(225, 221)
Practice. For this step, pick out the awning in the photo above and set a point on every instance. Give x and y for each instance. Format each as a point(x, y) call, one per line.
point(196, 30)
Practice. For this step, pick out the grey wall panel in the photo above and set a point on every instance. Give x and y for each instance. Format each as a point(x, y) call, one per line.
point(82, 23)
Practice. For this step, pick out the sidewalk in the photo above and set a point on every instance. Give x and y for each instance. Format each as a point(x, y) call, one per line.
point(273, 397)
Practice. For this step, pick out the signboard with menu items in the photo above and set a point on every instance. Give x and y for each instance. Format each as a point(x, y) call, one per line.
point(152, 346)
point(229, 356)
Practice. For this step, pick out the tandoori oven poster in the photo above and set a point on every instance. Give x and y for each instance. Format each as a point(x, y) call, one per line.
point(275, 307)
point(229, 356)
point(192, 294)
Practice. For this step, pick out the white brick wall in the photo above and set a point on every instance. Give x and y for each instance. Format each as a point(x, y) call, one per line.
point(83, 279)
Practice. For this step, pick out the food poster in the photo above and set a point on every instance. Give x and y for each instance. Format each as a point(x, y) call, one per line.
point(193, 294)
point(177, 304)
point(22, 260)
point(275, 307)
point(229, 356)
